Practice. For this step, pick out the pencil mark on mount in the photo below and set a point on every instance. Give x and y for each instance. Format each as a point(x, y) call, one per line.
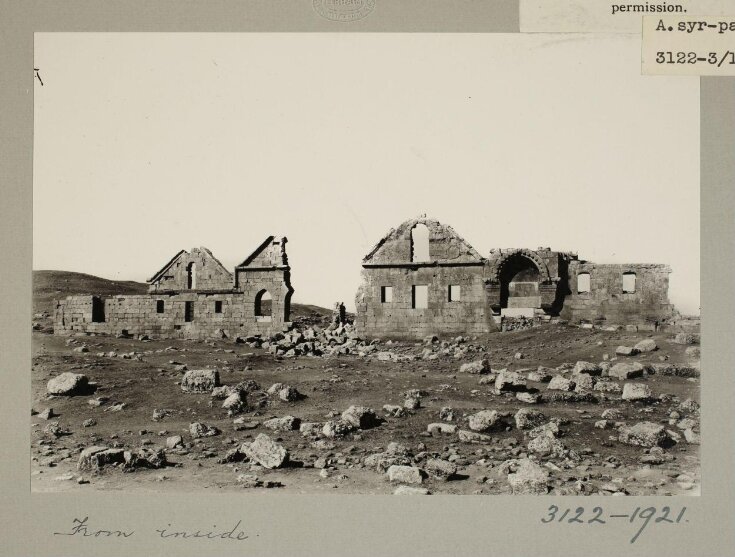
point(234, 533)
point(81, 528)
point(38, 75)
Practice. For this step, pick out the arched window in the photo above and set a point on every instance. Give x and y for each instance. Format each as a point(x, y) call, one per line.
point(628, 283)
point(583, 283)
point(191, 276)
point(263, 305)
point(420, 243)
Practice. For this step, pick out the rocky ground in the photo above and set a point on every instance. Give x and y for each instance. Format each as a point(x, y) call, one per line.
point(551, 409)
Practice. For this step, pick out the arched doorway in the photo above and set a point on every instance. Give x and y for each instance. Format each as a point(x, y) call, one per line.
point(263, 306)
point(519, 286)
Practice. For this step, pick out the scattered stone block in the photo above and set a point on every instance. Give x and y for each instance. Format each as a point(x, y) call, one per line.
point(46, 414)
point(472, 436)
point(289, 394)
point(336, 428)
point(286, 423)
point(361, 417)
point(541, 375)
point(477, 367)
point(686, 338)
point(561, 383)
point(198, 429)
point(626, 370)
point(587, 368)
point(235, 403)
point(646, 345)
point(394, 410)
point(509, 381)
point(440, 469)
point(266, 452)
point(441, 428)
point(95, 457)
point(405, 474)
point(174, 441)
point(310, 429)
point(528, 419)
point(636, 391)
point(644, 434)
point(546, 446)
point(608, 387)
point(200, 381)
point(484, 420)
point(67, 383)
point(626, 351)
point(528, 478)
point(528, 398)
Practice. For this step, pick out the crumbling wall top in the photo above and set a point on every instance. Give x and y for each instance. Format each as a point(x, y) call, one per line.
point(445, 246)
point(270, 254)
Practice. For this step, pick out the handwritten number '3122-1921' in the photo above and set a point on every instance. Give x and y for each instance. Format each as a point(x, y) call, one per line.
point(643, 515)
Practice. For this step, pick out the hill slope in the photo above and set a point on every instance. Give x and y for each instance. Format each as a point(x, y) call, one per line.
point(49, 286)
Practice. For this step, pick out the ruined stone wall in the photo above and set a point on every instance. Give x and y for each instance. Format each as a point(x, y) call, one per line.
point(203, 301)
point(253, 281)
point(395, 262)
point(606, 301)
point(209, 274)
point(445, 245)
point(397, 319)
point(139, 315)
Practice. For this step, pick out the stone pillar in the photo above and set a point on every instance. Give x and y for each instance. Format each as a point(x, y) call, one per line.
point(492, 289)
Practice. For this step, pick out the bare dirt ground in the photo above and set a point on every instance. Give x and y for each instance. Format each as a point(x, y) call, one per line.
point(594, 460)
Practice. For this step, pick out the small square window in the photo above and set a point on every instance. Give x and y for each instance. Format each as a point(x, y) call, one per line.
point(218, 306)
point(159, 306)
point(420, 296)
point(455, 293)
point(386, 294)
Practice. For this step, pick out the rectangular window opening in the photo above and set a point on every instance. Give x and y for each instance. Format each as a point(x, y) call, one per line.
point(455, 293)
point(420, 296)
point(188, 311)
point(159, 306)
point(628, 283)
point(583, 283)
point(386, 294)
point(218, 306)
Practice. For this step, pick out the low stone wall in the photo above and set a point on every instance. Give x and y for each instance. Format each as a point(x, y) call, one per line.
point(606, 301)
point(140, 314)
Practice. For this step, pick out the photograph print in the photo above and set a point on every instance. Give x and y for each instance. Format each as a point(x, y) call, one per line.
point(364, 264)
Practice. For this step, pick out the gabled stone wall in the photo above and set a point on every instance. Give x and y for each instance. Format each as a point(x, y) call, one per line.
point(451, 262)
point(208, 273)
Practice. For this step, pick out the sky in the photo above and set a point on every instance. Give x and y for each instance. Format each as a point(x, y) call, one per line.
point(148, 143)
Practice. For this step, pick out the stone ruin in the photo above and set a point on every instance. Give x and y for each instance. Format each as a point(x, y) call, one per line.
point(420, 279)
point(423, 279)
point(194, 296)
